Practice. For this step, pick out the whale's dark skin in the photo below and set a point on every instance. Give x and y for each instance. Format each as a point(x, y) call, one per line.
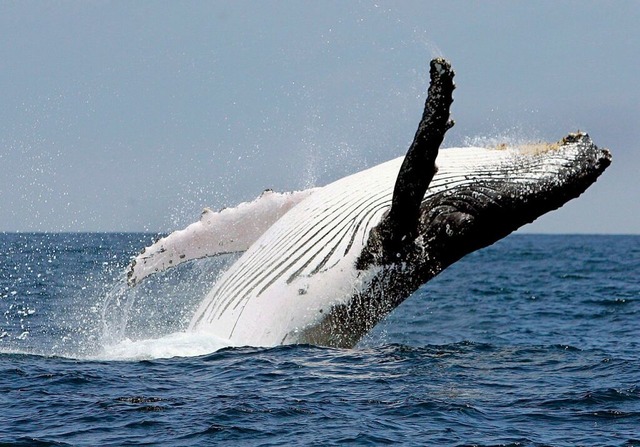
point(394, 236)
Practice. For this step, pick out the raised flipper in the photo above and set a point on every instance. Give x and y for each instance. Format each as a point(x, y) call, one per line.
point(395, 234)
point(228, 231)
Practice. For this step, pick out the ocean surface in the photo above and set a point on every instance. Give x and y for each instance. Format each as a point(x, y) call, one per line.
point(534, 341)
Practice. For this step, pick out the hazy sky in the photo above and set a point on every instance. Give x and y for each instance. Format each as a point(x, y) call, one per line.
point(129, 116)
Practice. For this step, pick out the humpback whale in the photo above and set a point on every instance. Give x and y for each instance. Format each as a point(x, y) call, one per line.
point(325, 265)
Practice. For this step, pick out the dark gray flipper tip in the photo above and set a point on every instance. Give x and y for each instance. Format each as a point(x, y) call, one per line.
point(398, 229)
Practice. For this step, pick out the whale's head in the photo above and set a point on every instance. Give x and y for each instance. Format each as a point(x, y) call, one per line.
point(479, 197)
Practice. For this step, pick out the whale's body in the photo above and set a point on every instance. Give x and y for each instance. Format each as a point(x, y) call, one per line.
point(324, 266)
point(303, 280)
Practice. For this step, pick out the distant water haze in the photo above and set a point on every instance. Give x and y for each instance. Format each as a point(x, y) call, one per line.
point(133, 117)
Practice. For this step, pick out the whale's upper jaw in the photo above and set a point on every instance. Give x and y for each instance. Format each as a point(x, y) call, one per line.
point(473, 215)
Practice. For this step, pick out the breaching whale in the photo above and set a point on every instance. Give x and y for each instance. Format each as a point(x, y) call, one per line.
point(325, 265)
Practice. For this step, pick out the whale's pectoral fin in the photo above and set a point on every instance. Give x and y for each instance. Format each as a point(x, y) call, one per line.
point(398, 229)
point(227, 231)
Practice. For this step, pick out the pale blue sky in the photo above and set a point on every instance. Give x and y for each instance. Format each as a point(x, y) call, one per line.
point(129, 116)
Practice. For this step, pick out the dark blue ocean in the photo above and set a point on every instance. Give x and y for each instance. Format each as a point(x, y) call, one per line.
point(534, 341)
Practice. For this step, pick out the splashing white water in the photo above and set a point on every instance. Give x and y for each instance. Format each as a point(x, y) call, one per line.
point(150, 320)
point(514, 136)
point(178, 344)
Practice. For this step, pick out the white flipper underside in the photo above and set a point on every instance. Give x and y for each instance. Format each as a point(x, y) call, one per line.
point(228, 231)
